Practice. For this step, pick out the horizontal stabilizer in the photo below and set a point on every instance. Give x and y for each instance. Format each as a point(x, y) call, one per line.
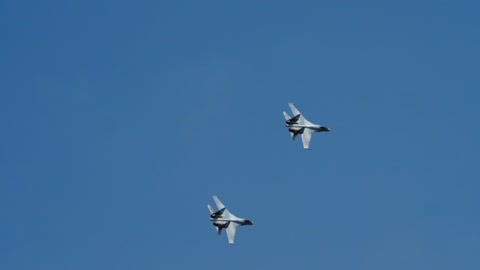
point(218, 214)
point(293, 120)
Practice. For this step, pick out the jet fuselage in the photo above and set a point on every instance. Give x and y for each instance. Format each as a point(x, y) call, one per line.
point(317, 128)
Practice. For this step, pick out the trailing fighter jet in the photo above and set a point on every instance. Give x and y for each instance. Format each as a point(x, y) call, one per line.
point(299, 125)
point(223, 219)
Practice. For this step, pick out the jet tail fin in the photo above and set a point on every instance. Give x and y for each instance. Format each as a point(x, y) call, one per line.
point(287, 117)
point(211, 209)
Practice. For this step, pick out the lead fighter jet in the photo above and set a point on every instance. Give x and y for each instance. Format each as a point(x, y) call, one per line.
point(223, 219)
point(299, 125)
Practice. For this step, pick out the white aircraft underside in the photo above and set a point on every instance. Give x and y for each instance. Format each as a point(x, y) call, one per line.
point(299, 125)
point(223, 219)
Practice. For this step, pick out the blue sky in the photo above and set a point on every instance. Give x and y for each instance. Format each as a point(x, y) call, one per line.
point(120, 119)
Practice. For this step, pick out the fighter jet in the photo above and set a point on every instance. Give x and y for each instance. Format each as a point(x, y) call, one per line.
point(299, 125)
point(223, 219)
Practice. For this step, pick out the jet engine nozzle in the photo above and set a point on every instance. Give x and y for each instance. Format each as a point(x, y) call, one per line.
point(215, 215)
point(218, 214)
point(290, 122)
point(221, 224)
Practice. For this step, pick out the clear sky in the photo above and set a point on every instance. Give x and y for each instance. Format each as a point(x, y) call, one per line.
point(120, 120)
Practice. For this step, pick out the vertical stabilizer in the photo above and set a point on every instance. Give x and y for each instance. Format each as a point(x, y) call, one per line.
point(210, 208)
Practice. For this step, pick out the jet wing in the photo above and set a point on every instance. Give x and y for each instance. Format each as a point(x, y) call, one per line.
point(302, 120)
point(231, 230)
point(306, 137)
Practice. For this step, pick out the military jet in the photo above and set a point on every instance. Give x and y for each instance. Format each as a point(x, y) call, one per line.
point(223, 219)
point(299, 125)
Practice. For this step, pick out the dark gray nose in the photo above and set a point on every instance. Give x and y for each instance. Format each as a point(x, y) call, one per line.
point(325, 129)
